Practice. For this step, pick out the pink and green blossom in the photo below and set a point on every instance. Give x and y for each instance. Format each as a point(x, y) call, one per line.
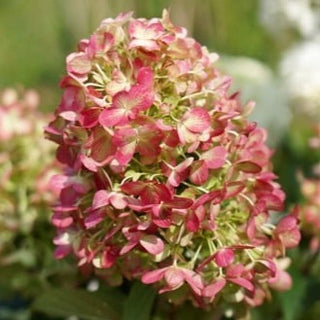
point(166, 180)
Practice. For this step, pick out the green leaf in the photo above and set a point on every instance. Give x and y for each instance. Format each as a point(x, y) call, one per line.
point(291, 301)
point(139, 303)
point(80, 303)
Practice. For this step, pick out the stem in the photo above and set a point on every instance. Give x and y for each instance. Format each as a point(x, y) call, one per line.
point(173, 313)
point(104, 76)
point(306, 269)
point(195, 187)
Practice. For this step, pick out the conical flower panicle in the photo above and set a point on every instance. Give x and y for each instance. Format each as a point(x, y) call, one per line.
point(166, 180)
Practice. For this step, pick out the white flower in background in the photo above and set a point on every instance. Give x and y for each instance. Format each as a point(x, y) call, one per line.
point(300, 70)
point(279, 16)
point(259, 83)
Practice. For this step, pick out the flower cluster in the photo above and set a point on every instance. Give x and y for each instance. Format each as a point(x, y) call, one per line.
point(24, 184)
point(166, 180)
point(310, 209)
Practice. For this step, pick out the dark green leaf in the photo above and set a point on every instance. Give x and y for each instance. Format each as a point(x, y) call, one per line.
point(81, 303)
point(291, 301)
point(139, 303)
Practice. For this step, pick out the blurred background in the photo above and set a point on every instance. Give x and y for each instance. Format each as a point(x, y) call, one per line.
point(271, 48)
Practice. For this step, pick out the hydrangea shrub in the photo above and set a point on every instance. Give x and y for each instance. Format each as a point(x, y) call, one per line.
point(166, 180)
point(26, 164)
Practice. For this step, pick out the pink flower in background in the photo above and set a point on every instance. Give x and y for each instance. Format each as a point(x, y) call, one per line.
point(164, 169)
point(26, 166)
point(310, 211)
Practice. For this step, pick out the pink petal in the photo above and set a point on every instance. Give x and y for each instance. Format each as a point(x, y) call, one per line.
point(62, 251)
point(145, 30)
point(89, 163)
point(58, 182)
point(90, 117)
point(62, 239)
point(212, 289)
point(78, 63)
point(64, 208)
point(100, 43)
point(174, 277)
point(68, 115)
point(145, 77)
point(162, 218)
point(179, 203)
point(109, 257)
point(61, 221)
point(128, 247)
point(179, 173)
point(66, 155)
point(153, 276)
point(68, 197)
point(124, 135)
point(235, 270)
point(138, 98)
point(288, 222)
point(215, 158)
point(152, 244)
point(185, 135)
point(149, 140)
point(125, 153)
point(224, 257)
point(199, 172)
point(185, 164)
point(94, 218)
point(171, 138)
point(101, 146)
point(155, 193)
point(193, 222)
point(197, 120)
point(118, 200)
point(134, 187)
point(233, 188)
point(281, 282)
point(243, 283)
point(136, 28)
point(142, 97)
point(174, 179)
point(273, 202)
point(194, 280)
point(73, 98)
point(100, 199)
point(149, 45)
point(112, 116)
point(290, 238)
point(215, 196)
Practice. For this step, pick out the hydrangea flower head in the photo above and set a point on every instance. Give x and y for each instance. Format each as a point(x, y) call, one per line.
point(166, 179)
